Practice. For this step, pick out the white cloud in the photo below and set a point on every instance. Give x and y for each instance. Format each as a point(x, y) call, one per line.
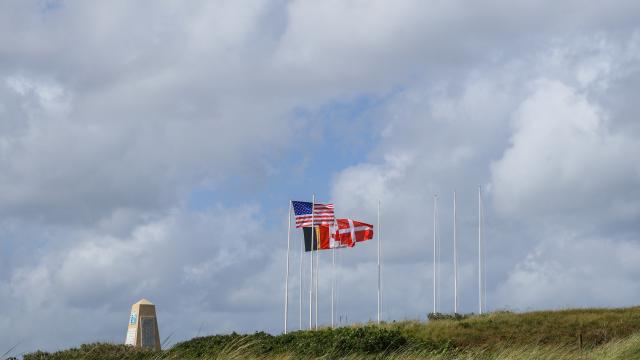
point(97, 273)
point(557, 167)
point(111, 114)
point(571, 271)
point(562, 151)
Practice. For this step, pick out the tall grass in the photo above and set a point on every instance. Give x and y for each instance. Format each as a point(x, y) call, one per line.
point(595, 326)
point(605, 333)
point(616, 350)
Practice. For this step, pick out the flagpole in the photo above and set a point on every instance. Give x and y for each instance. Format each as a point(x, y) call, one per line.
point(439, 261)
point(484, 257)
point(300, 285)
point(337, 311)
point(286, 281)
point(455, 257)
point(311, 265)
point(333, 280)
point(484, 261)
point(317, 270)
point(379, 239)
point(435, 211)
point(381, 266)
point(479, 251)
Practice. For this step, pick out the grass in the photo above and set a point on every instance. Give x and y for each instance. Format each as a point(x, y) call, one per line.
point(606, 334)
point(597, 326)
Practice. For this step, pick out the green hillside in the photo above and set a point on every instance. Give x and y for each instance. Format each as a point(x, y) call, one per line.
point(568, 334)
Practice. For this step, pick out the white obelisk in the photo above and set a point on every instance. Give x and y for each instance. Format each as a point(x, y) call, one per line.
point(142, 331)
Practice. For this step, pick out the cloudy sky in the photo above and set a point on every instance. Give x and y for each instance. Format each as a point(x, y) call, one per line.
point(150, 148)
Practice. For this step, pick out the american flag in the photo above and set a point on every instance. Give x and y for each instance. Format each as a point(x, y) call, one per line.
point(323, 214)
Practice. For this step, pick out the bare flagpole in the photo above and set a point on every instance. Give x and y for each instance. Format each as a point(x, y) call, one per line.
point(379, 262)
point(286, 281)
point(333, 279)
point(455, 257)
point(337, 306)
point(435, 218)
point(311, 265)
point(484, 260)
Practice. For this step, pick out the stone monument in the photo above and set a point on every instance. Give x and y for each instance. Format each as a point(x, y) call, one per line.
point(143, 326)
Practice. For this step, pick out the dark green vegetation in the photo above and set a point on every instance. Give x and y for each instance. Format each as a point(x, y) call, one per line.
point(94, 351)
point(605, 333)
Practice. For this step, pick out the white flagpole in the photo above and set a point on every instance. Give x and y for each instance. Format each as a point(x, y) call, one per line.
point(300, 279)
point(435, 212)
point(479, 251)
point(333, 279)
point(455, 258)
point(286, 281)
point(379, 262)
point(311, 265)
point(484, 259)
point(317, 270)
point(337, 306)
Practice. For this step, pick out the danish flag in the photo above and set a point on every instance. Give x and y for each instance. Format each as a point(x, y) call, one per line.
point(350, 231)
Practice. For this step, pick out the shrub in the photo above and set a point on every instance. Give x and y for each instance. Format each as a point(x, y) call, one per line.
point(440, 316)
point(94, 351)
point(336, 342)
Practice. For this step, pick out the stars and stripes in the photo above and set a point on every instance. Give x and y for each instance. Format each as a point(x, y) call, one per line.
point(308, 214)
point(318, 223)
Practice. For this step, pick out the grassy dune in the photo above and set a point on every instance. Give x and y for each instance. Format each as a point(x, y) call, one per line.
point(605, 333)
point(561, 328)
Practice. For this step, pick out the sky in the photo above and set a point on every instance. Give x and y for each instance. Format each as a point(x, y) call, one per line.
point(149, 149)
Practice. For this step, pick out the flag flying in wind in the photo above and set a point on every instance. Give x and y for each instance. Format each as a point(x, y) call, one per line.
point(351, 231)
point(322, 239)
point(323, 214)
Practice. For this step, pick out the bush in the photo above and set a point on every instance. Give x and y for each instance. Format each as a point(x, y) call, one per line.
point(208, 345)
point(440, 316)
point(336, 342)
point(343, 341)
point(94, 351)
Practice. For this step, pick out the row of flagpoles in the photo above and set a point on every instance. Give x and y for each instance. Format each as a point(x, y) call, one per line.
point(316, 220)
point(312, 216)
point(436, 254)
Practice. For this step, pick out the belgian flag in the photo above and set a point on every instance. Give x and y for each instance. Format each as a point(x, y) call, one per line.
point(321, 239)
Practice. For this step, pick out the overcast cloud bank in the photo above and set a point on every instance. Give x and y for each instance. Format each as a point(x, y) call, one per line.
point(114, 117)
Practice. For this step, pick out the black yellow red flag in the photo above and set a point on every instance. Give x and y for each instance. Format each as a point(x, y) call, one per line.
point(321, 239)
